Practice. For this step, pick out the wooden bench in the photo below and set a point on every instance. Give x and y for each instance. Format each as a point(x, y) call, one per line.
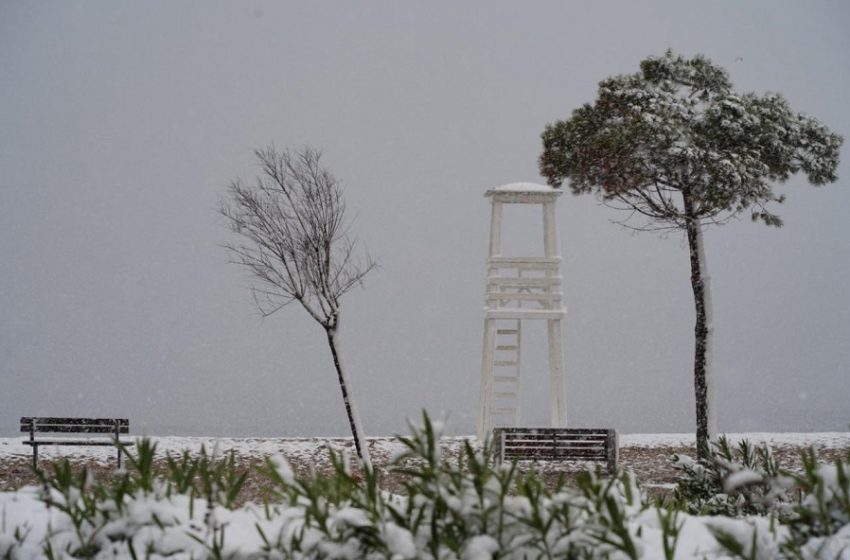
point(112, 426)
point(556, 444)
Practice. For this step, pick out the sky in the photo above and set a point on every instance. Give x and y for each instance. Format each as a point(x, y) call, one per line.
point(122, 123)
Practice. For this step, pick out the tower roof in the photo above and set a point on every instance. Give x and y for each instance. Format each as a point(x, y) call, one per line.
point(524, 187)
point(523, 193)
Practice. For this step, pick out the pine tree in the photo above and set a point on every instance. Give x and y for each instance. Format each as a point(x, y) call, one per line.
point(674, 144)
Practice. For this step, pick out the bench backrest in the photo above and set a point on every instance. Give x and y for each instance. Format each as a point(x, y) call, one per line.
point(76, 425)
point(556, 443)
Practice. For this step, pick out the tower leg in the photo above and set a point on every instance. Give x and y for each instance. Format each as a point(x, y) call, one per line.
point(485, 416)
point(557, 392)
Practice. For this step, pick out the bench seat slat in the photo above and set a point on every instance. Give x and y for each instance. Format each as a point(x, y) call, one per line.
point(550, 451)
point(554, 452)
point(65, 428)
point(599, 451)
point(40, 442)
point(550, 438)
point(562, 452)
point(588, 441)
point(74, 421)
point(520, 450)
point(552, 445)
point(549, 457)
point(559, 441)
point(512, 429)
point(556, 436)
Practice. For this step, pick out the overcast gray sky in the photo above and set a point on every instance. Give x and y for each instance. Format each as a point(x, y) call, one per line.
point(122, 123)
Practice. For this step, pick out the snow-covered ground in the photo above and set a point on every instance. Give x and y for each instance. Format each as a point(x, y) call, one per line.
point(828, 440)
point(186, 530)
point(292, 448)
point(305, 447)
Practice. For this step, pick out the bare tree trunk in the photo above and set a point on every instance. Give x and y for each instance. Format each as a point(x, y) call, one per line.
point(703, 333)
point(348, 399)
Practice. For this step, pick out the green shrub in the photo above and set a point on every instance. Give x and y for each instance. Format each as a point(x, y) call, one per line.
point(823, 512)
point(469, 508)
point(743, 480)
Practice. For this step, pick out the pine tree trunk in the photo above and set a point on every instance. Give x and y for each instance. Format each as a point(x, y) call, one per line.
point(703, 333)
point(348, 399)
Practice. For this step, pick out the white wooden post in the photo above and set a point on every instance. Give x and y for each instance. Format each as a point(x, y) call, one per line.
point(557, 396)
point(557, 392)
point(485, 424)
point(550, 232)
point(496, 229)
point(489, 346)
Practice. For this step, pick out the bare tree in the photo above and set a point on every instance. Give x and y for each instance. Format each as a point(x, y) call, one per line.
point(296, 242)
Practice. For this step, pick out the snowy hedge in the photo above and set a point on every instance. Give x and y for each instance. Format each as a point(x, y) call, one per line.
point(470, 510)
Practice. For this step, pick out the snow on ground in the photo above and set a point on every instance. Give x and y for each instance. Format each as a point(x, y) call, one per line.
point(11, 447)
point(645, 453)
point(827, 440)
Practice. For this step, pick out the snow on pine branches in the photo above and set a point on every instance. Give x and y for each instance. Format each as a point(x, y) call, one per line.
point(677, 148)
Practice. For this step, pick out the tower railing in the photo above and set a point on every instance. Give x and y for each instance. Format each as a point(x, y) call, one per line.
point(516, 282)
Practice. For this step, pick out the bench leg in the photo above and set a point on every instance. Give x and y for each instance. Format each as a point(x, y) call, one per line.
point(117, 444)
point(613, 450)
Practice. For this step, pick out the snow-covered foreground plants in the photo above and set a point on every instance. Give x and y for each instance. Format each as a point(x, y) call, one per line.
point(450, 509)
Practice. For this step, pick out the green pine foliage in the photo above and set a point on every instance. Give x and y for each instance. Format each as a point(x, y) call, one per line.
point(678, 127)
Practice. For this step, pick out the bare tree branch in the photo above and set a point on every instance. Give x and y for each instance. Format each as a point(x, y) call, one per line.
point(297, 244)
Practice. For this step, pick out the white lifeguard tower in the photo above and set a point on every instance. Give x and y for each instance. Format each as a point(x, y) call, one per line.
point(520, 288)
